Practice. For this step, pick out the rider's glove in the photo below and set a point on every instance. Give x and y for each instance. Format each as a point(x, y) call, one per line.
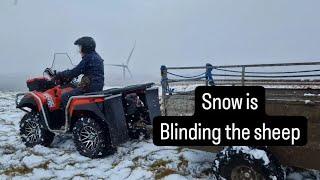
point(57, 78)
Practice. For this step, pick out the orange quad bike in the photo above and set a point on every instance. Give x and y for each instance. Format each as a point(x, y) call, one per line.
point(99, 121)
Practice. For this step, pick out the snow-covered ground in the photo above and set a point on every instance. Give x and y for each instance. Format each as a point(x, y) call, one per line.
point(133, 160)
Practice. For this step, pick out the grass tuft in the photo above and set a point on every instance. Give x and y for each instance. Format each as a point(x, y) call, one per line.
point(158, 164)
point(21, 170)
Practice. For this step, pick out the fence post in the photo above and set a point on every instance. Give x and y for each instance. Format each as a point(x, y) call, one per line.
point(242, 75)
point(209, 79)
point(164, 85)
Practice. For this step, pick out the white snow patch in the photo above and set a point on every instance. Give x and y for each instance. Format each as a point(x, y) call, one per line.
point(255, 153)
point(174, 177)
point(309, 94)
point(33, 161)
point(42, 174)
point(140, 173)
point(307, 101)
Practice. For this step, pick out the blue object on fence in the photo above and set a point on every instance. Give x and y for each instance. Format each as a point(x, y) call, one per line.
point(208, 74)
point(170, 91)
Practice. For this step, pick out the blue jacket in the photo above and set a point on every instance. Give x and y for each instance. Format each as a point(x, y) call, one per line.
point(91, 66)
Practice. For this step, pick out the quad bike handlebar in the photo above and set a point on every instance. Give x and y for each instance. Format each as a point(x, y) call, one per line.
point(50, 72)
point(53, 75)
point(58, 80)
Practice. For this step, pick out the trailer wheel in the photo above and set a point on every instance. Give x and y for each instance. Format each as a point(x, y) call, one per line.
point(91, 138)
point(32, 132)
point(242, 162)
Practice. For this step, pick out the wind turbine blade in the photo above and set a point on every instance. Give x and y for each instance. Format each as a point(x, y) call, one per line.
point(124, 73)
point(129, 71)
point(117, 65)
point(134, 45)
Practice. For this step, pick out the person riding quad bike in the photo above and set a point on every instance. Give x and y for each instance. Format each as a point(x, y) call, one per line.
point(91, 67)
point(99, 120)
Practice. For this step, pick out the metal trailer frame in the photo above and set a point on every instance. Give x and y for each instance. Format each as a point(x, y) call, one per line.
point(295, 101)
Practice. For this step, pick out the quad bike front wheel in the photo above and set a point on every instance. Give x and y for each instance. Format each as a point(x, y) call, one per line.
point(32, 132)
point(91, 138)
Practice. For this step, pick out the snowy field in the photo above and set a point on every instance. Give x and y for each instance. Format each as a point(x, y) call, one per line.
point(133, 160)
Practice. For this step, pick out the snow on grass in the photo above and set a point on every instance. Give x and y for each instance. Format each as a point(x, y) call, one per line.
point(32, 161)
point(133, 160)
point(174, 177)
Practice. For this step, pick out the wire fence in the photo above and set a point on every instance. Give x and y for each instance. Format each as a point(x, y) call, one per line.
point(179, 81)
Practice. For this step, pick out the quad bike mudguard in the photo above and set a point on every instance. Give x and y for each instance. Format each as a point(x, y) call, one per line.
point(113, 115)
point(35, 102)
point(152, 100)
point(26, 101)
point(115, 118)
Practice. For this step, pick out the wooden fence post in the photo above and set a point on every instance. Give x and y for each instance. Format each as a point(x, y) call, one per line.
point(164, 85)
point(242, 75)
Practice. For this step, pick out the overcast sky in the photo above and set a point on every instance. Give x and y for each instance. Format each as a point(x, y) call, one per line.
point(170, 32)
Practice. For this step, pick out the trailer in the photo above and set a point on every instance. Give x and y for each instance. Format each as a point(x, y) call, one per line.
point(286, 94)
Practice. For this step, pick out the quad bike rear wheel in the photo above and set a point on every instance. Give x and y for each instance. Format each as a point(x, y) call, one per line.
point(32, 132)
point(91, 138)
point(137, 117)
point(238, 164)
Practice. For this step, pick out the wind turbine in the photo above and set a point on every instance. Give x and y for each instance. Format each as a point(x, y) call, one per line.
point(125, 65)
